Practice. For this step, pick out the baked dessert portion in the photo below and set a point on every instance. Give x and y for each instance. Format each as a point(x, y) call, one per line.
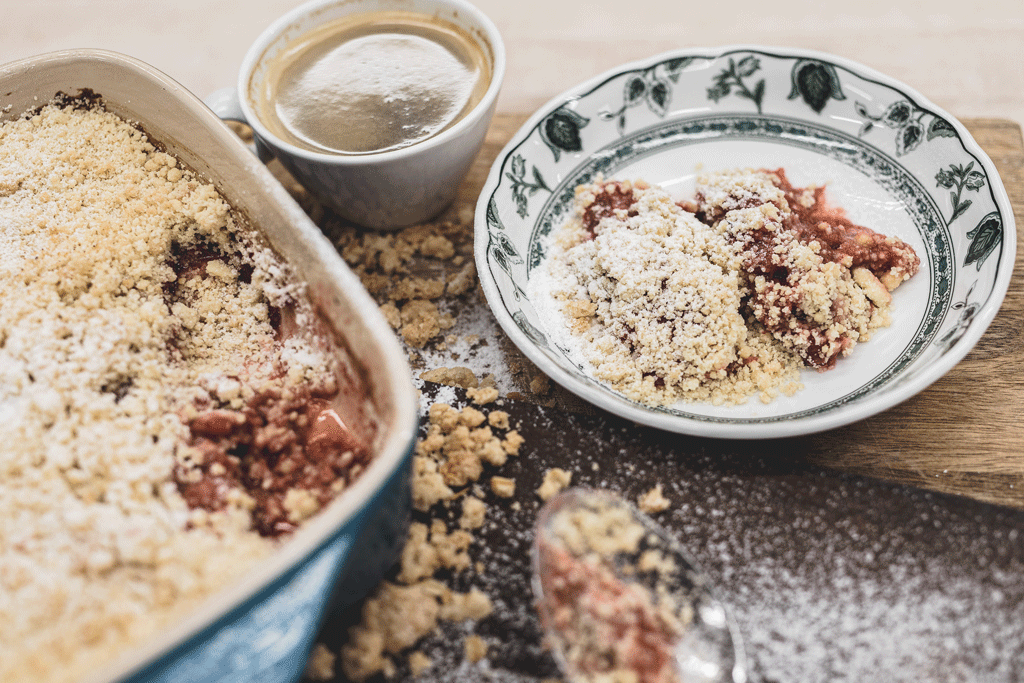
point(652, 298)
point(813, 278)
point(171, 400)
point(720, 297)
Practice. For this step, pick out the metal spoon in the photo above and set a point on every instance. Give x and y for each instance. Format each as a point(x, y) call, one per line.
point(617, 594)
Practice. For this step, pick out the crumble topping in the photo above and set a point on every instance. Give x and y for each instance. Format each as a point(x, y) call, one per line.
point(418, 662)
point(653, 501)
point(609, 595)
point(155, 362)
point(320, 665)
point(475, 648)
point(555, 479)
point(503, 487)
point(815, 280)
point(718, 298)
point(449, 460)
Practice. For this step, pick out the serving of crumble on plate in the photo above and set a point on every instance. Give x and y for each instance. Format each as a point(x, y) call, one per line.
point(719, 297)
point(844, 137)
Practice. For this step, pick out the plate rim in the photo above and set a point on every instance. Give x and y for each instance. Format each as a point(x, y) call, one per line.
point(871, 404)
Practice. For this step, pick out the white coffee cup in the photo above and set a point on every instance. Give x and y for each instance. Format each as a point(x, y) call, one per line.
point(382, 190)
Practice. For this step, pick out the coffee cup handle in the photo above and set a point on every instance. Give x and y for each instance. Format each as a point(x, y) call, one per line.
point(226, 105)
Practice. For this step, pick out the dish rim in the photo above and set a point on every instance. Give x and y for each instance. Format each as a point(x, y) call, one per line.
point(395, 448)
point(876, 401)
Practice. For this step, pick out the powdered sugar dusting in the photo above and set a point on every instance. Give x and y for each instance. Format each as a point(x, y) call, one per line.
point(829, 577)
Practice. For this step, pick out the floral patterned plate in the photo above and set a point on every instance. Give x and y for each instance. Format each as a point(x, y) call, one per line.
point(892, 159)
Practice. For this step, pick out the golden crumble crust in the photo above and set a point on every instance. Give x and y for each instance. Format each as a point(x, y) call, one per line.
point(133, 294)
point(718, 298)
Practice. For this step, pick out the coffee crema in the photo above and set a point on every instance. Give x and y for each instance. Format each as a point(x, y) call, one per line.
point(373, 82)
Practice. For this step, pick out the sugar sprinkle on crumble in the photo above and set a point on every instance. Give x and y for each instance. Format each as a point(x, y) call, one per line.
point(109, 338)
point(719, 298)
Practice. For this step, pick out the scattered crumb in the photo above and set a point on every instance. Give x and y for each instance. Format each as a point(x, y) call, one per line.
point(476, 648)
point(473, 513)
point(452, 548)
point(320, 665)
point(473, 605)
point(437, 246)
point(655, 561)
point(454, 452)
point(555, 480)
point(419, 557)
point(483, 396)
point(420, 322)
point(391, 314)
point(418, 662)
point(449, 459)
point(428, 485)
point(653, 501)
point(453, 377)
point(416, 288)
point(513, 441)
point(498, 419)
point(540, 385)
point(411, 269)
point(394, 618)
point(463, 281)
point(503, 487)
point(471, 417)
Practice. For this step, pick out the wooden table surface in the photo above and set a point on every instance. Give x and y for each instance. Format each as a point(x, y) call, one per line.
point(962, 435)
point(964, 56)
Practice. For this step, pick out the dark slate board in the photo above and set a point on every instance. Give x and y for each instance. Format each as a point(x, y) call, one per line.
point(830, 577)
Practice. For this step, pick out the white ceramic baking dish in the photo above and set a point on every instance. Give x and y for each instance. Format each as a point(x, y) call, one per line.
point(263, 627)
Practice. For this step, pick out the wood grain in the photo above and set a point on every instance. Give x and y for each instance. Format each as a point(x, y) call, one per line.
point(963, 435)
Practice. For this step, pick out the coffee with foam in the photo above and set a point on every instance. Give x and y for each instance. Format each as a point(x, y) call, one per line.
point(372, 82)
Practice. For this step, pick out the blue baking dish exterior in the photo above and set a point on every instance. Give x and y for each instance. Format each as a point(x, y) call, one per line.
point(268, 638)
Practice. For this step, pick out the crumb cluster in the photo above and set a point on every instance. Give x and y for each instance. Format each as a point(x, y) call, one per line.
point(555, 480)
point(385, 263)
point(611, 624)
point(135, 300)
point(727, 296)
point(451, 460)
point(653, 501)
point(819, 283)
point(424, 279)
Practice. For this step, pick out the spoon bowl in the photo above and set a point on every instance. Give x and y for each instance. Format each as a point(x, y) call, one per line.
point(617, 594)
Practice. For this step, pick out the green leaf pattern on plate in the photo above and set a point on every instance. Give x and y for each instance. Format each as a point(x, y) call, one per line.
point(522, 187)
point(968, 309)
point(731, 80)
point(909, 123)
point(958, 178)
point(493, 219)
point(652, 86)
point(816, 83)
point(984, 239)
point(560, 131)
